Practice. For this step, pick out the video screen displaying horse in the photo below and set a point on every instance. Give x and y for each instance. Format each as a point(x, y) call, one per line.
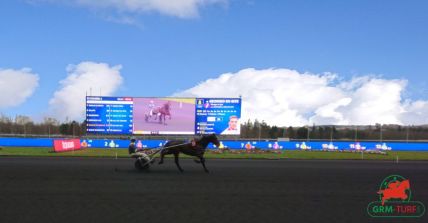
point(164, 116)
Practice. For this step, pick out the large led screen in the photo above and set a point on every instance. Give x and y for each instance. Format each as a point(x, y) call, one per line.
point(109, 115)
point(218, 115)
point(178, 116)
point(164, 115)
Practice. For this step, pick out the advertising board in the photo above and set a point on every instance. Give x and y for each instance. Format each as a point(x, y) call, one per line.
point(65, 145)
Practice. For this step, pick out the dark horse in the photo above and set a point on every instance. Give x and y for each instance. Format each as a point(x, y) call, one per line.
point(160, 112)
point(195, 148)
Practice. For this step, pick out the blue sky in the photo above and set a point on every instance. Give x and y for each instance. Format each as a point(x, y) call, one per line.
point(162, 53)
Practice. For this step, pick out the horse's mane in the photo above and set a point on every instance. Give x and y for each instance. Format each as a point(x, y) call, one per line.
point(206, 139)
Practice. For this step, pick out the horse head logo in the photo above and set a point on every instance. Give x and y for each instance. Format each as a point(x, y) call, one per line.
point(394, 187)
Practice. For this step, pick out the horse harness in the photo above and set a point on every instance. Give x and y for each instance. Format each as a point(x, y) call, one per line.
point(195, 144)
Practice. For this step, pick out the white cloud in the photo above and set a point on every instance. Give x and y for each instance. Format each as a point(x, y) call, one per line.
point(69, 100)
point(286, 97)
point(16, 86)
point(123, 19)
point(376, 101)
point(415, 112)
point(177, 8)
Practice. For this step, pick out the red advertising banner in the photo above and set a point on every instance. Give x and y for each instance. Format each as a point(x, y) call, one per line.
point(65, 145)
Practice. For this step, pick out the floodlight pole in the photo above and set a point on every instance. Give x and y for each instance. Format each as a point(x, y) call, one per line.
point(407, 134)
point(285, 132)
point(356, 133)
point(307, 133)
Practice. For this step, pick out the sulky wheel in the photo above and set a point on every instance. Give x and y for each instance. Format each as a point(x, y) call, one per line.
point(141, 164)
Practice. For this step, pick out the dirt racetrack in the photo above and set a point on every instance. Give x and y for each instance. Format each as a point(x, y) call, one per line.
point(108, 190)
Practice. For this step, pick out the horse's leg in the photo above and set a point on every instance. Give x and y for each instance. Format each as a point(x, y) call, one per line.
point(176, 162)
point(200, 154)
point(162, 154)
point(203, 164)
